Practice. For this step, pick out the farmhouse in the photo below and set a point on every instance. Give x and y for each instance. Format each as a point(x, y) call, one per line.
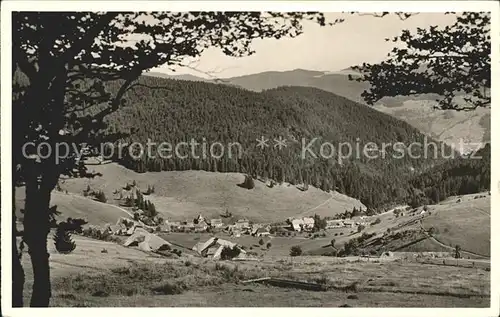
point(349, 223)
point(186, 225)
point(173, 224)
point(359, 220)
point(127, 225)
point(213, 248)
point(200, 227)
point(216, 223)
point(198, 220)
point(297, 224)
point(331, 224)
point(242, 224)
point(147, 241)
point(254, 229)
point(262, 232)
point(308, 223)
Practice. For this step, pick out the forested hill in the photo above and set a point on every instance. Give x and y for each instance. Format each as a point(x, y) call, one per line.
point(208, 113)
point(465, 175)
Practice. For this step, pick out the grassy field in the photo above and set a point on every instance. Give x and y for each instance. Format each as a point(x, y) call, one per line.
point(181, 195)
point(202, 282)
point(101, 273)
point(76, 206)
point(466, 223)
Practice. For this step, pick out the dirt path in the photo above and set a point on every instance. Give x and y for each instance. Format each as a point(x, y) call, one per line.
point(322, 204)
point(482, 211)
point(433, 239)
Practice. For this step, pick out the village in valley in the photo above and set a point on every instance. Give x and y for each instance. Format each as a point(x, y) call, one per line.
point(147, 230)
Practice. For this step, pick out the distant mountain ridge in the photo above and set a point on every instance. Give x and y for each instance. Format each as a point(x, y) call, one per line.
point(445, 125)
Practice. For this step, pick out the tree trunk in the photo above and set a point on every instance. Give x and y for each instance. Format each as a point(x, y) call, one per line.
point(17, 269)
point(41, 294)
point(36, 230)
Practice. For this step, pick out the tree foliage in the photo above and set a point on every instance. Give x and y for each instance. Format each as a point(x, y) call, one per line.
point(62, 237)
point(295, 251)
point(207, 113)
point(229, 253)
point(465, 175)
point(453, 62)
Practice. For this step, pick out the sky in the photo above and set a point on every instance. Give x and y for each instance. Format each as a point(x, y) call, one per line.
point(330, 48)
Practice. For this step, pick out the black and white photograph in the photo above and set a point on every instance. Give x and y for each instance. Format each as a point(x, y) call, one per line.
point(249, 154)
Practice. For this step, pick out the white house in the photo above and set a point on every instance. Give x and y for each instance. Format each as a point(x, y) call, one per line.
point(336, 223)
point(349, 223)
point(216, 223)
point(242, 224)
point(308, 223)
point(297, 224)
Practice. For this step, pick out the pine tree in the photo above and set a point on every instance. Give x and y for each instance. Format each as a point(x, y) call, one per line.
point(62, 241)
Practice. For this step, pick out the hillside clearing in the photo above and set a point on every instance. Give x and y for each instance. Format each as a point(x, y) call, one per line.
point(466, 223)
point(181, 195)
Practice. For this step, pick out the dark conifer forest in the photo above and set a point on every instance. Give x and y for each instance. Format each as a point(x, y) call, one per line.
point(466, 175)
point(174, 111)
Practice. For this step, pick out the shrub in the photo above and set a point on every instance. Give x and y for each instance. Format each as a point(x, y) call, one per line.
point(341, 233)
point(168, 288)
point(63, 242)
point(261, 242)
point(228, 253)
point(377, 221)
point(295, 251)
point(151, 190)
point(269, 245)
point(127, 187)
point(87, 191)
point(361, 228)
point(100, 196)
point(248, 183)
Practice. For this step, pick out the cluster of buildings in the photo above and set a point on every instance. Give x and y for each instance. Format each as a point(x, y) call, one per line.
point(245, 227)
point(347, 223)
point(200, 224)
point(301, 224)
point(306, 224)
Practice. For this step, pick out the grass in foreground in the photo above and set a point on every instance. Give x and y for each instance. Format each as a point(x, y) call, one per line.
point(203, 282)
